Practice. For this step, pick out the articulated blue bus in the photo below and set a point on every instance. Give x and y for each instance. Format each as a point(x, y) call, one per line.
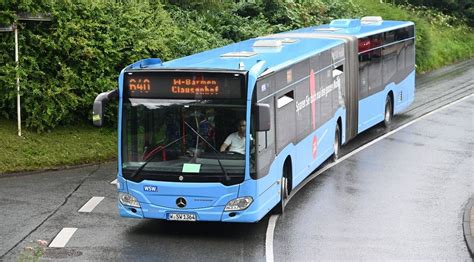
point(227, 134)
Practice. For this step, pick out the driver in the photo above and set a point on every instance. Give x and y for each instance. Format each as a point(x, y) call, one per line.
point(236, 141)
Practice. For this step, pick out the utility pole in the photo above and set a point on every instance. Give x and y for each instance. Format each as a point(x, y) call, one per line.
point(17, 68)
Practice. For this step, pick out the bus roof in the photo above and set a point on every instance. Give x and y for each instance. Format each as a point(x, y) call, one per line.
point(278, 53)
point(359, 30)
point(230, 57)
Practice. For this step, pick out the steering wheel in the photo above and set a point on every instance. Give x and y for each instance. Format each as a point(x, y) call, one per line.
point(234, 153)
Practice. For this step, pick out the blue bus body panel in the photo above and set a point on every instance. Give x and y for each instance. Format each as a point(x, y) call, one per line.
point(121, 182)
point(199, 195)
point(372, 108)
point(324, 137)
point(404, 94)
point(207, 200)
point(266, 190)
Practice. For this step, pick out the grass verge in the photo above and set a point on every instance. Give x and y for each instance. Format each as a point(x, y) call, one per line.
point(64, 146)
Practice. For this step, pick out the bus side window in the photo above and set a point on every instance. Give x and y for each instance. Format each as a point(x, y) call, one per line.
point(364, 61)
point(265, 89)
point(375, 65)
point(339, 82)
point(389, 62)
point(338, 77)
point(401, 58)
point(410, 49)
point(325, 96)
point(410, 55)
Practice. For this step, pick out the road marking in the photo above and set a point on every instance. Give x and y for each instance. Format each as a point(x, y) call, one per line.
point(90, 205)
point(114, 182)
point(63, 237)
point(269, 238)
point(273, 218)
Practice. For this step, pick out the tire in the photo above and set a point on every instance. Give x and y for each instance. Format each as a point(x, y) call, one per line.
point(336, 144)
point(284, 194)
point(388, 114)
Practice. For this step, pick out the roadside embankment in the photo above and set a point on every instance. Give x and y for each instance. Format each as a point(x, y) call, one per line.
point(63, 146)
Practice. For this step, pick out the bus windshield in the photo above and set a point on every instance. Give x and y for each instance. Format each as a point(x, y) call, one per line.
point(181, 136)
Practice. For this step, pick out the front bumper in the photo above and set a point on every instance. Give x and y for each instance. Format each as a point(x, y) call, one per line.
point(202, 214)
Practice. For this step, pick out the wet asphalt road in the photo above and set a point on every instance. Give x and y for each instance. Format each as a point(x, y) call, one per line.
point(398, 199)
point(401, 198)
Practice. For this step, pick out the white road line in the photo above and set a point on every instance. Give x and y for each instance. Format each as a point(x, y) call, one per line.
point(114, 182)
point(90, 205)
point(273, 218)
point(63, 237)
point(269, 238)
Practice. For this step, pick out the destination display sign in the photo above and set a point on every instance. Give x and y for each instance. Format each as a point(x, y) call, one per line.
point(183, 85)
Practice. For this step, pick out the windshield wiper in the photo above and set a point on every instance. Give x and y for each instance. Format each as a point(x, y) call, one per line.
point(152, 156)
point(226, 176)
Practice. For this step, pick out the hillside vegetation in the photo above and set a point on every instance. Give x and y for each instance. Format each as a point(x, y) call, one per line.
point(453, 7)
point(66, 62)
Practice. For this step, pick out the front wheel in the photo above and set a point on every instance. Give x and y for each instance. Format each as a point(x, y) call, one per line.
point(284, 194)
point(387, 120)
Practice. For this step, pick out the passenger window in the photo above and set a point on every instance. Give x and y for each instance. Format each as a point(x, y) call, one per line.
point(285, 99)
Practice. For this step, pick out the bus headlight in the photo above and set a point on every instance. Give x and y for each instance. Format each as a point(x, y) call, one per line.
point(237, 204)
point(128, 200)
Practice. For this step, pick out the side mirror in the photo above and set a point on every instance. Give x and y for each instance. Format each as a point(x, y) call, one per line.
point(263, 117)
point(99, 103)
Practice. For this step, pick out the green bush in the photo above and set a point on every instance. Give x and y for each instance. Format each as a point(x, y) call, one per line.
point(67, 62)
point(453, 7)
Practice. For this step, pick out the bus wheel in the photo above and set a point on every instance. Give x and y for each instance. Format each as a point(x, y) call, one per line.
point(387, 120)
point(337, 144)
point(280, 208)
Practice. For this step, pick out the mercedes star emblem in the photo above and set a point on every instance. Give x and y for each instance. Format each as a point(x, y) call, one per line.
point(180, 202)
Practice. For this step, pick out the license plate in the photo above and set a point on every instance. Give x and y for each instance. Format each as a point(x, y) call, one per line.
point(182, 217)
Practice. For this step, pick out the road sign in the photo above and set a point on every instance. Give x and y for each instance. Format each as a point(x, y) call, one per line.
point(33, 17)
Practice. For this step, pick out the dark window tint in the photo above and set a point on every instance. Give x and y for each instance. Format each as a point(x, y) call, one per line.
point(389, 37)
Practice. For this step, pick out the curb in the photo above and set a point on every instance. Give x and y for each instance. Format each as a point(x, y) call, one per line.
point(52, 169)
point(468, 224)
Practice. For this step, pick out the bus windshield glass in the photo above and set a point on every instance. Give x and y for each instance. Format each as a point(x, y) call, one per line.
point(174, 136)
